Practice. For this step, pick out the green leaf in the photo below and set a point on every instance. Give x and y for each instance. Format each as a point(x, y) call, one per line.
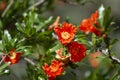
point(101, 15)
point(41, 78)
point(1, 24)
point(105, 18)
point(114, 41)
point(1, 47)
point(3, 67)
point(19, 27)
point(115, 76)
point(88, 52)
point(32, 23)
point(93, 39)
point(44, 23)
point(83, 39)
point(56, 47)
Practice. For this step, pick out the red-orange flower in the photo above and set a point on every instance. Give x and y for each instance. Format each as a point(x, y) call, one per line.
point(13, 57)
point(94, 59)
point(55, 69)
point(65, 33)
point(88, 25)
point(94, 17)
point(77, 51)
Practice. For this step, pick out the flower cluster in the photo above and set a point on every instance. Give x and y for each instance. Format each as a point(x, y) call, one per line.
point(65, 35)
point(74, 52)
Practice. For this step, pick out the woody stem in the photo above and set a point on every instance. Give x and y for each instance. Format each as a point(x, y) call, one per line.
point(29, 61)
point(113, 59)
point(36, 4)
point(7, 8)
point(2, 59)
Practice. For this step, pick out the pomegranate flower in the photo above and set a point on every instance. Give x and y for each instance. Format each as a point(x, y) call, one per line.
point(65, 33)
point(77, 51)
point(88, 25)
point(55, 69)
point(94, 17)
point(13, 57)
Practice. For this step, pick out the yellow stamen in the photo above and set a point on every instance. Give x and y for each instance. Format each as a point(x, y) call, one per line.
point(65, 35)
point(13, 55)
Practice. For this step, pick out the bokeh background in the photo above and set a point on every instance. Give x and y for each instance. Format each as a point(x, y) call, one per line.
point(75, 13)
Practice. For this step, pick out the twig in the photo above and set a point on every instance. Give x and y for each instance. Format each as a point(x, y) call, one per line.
point(36, 4)
point(2, 59)
point(114, 59)
point(28, 60)
point(8, 7)
point(69, 2)
point(72, 3)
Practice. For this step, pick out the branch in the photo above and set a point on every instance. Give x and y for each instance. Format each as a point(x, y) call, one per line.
point(68, 2)
point(2, 59)
point(8, 7)
point(113, 58)
point(108, 51)
point(29, 61)
point(36, 4)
